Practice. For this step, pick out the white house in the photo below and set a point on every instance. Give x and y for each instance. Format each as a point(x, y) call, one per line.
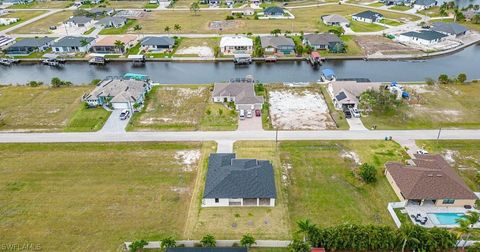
point(424, 4)
point(71, 44)
point(367, 17)
point(238, 182)
point(8, 21)
point(230, 45)
point(423, 37)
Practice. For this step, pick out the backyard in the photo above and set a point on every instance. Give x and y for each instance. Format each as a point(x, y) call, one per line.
point(22, 15)
point(433, 107)
point(95, 196)
point(46, 109)
point(42, 26)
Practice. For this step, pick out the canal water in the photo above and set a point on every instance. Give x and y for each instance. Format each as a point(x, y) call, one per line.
point(466, 61)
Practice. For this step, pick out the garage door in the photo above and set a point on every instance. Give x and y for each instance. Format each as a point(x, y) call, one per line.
point(120, 105)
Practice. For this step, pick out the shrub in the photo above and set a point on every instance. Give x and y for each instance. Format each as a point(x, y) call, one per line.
point(137, 245)
point(247, 240)
point(299, 246)
point(443, 79)
point(56, 82)
point(208, 241)
point(34, 83)
point(168, 242)
point(462, 78)
point(368, 173)
point(229, 18)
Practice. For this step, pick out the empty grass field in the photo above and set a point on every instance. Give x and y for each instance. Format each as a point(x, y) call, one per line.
point(357, 26)
point(400, 7)
point(87, 119)
point(42, 26)
point(433, 107)
point(464, 155)
point(22, 15)
point(43, 5)
point(40, 108)
point(95, 196)
point(183, 107)
point(319, 179)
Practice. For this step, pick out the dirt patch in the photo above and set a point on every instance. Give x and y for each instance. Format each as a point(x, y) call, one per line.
point(449, 156)
point(299, 110)
point(188, 158)
point(201, 51)
point(225, 25)
point(380, 44)
point(351, 155)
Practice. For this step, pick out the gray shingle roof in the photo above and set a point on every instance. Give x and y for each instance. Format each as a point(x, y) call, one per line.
point(425, 2)
point(425, 34)
point(369, 15)
point(163, 41)
point(322, 38)
point(273, 10)
point(72, 41)
point(115, 21)
point(80, 20)
point(228, 177)
point(334, 18)
point(33, 42)
point(121, 90)
point(276, 41)
point(244, 93)
point(448, 28)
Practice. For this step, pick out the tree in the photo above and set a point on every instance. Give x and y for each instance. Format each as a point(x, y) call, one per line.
point(476, 19)
point(137, 27)
point(275, 32)
point(195, 8)
point(299, 49)
point(247, 240)
point(167, 29)
point(56, 82)
point(443, 79)
point(84, 42)
point(305, 227)
point(137, 245)
point(168, 242)
point(299, 246)
point(463, 230)
point(462, 78)
point(368, 173)
point(216, 51)
point(34, 83)
point(177, 27)
point(407, 234)
point(208, 241)
point(120, 45)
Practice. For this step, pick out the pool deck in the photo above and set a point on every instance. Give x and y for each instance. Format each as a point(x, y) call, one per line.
point(425, 210)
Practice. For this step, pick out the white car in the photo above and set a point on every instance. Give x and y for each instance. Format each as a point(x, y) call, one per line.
point(249, 114)
point(242, 114)
point(422, 152)
point(124, 114)
point(355, 112)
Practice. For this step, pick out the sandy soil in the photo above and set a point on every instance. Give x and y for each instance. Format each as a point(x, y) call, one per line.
point(375, 44)
point(201, 51)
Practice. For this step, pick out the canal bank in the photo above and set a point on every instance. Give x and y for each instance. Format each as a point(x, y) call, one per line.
point(464, 61)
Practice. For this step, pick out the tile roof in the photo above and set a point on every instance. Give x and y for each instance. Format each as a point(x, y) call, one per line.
point(228, 177)
point(431, 178)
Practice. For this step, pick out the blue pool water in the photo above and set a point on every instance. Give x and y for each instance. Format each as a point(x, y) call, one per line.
point(447, 218)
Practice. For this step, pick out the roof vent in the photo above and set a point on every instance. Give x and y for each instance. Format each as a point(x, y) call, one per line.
point(430, 175)
point(439, 175)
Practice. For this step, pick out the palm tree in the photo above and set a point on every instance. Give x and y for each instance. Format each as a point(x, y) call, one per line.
point(208, 241)
point(177, 27)
point(463, 230)
point(407, 234)
point(84, 43)
point(167, 29)
point(247, 240)
point(305, 226)
point(195, 7)
point(120, 45)
point(168, 242)
point(137, 28)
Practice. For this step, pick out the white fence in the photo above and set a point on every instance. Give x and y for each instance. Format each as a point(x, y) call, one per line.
point(391, 209)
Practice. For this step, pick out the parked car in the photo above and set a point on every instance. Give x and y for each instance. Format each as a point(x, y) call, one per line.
point(258, 113)
point(422, 152)
point(124, 114)
point(53, 27)
point(249, 114)
point(242, 114)
point(347, 113)
point(355, 112)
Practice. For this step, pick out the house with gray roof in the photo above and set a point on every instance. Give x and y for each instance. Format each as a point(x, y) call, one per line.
point(334, 19)
point(28, 45)
point(240, 92)
point(238, 182)
point(274, 11)
point(322, 41)
point(277, 44)
point(423, 37)
point(449, 28)
point(367, 17)
point(424, 4)
point(111, 22)
point(157, 44)
point(79, 21)
point(118, 93)
point(72, 44)
point(346, 94)
point(101, 12)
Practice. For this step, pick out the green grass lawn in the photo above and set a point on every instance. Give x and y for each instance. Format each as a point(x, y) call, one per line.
point(134, 50)
point(121, 30)
point(464, 155)
point(43, 5)
point(89, 31)
point(227, 119)
point(319, 179)
point(353, 49)
point(95, 196)
point(391, 22)
point(400, 7)
point(150, 6)
point(432, 107)
point(377, 4)
point(33, 55)
point(39, 108)
point(22, 15)
point(42, 26)
point(357, 26)
point(432, 12)
point(88, 119)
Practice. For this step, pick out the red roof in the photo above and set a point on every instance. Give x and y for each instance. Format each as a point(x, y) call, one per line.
point(315, 55)
point(317, 250)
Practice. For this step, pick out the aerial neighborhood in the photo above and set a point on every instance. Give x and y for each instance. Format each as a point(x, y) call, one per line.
point(239, 125)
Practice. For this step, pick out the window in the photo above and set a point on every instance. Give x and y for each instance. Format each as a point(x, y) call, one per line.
point(217, 200)
point(448, 201)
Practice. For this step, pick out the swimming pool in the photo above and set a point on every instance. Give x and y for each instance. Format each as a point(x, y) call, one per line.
point(446, 218)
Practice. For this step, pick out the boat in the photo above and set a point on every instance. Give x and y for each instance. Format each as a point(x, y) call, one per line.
point(135, 76)
point(328, 75)
point(51, 62)
point(8, 61)
point(271, 58)
point(315, 59)
point(97, 60)
point(242, 59)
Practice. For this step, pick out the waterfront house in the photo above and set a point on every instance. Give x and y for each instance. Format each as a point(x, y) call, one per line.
point(108, 44)
point(238, 182)
point(214, 3)
point(334, 19)
point(8, 21)
point(111, 22)
point(28, 45)
point(79, 22)
point(449, 28)
point(323, 41)
point(118, 93)
point(431, 180)
point(6, 41)
point(346, 94)
point(17, 1)
point(277, 44)
point(230, 45)
point(157, 44)
point(423, 37)
point(71, 44)
point(470, 13)
point(424, 4)
point(101, 12)
point(273, 11)
point(240, 91)
point(367, 17)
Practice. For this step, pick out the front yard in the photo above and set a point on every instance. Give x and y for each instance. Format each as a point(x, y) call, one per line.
point(433, 107)
point(95, 196)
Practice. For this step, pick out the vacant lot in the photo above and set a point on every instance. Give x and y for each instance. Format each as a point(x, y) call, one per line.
point(183, 107)
point(464, 155)
point(23, 15)
point(93, 197)
point(306, 19)
point(321, 185)
point(42, 108)
point(357, 26)
point(380, 44)
point(233, 222)
point(43, 5)
point(42, 26)
point(446, 106)
point(299, 108)
point(194, 47)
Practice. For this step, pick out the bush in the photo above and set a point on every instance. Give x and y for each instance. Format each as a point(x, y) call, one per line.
point(462, 78)
point(229, 18)
point(56, 83)
point(368, 173)
point(429, 81)
point(247, 241)
point(208, 241)
point(299, 246)
point(443, 79)
point(95, 82)
point(34, 83)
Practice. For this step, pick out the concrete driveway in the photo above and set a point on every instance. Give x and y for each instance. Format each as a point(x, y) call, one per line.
point(355, 124)
point(114, 124)
point(250, 124)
